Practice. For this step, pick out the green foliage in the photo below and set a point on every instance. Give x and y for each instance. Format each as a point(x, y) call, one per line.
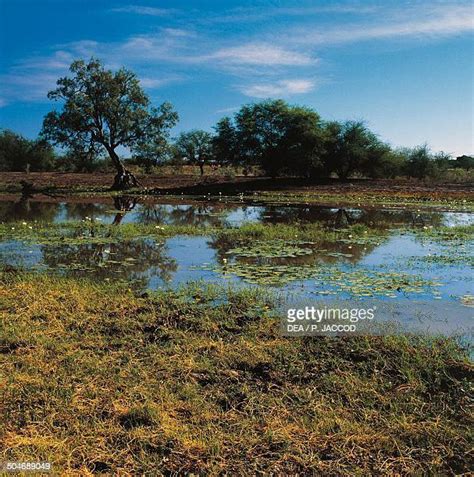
point(464, 162)
point(80, 160)
point(351, 147)
point(389, 165)
point(151, 151)
point(105, 110)
point(20, 154)
point(225, 142)
point(278, 137)
point(420, 162)
point(194, 146)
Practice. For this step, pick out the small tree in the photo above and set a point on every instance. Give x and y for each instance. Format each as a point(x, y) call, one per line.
point(224, 142)
point(351, 147)
point(420, 163)
point(464, 162)
point(388, 165)
point(196, 146)
point(108, 110)
point(20, 154)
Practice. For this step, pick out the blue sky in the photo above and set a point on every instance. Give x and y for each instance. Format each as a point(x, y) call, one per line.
point(405, 67)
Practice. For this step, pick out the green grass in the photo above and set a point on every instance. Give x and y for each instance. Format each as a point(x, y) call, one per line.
point(80, 232)
point(85, 231)
point(390, 198)
point(441, 234)
point(305, 232)
point(96, 378)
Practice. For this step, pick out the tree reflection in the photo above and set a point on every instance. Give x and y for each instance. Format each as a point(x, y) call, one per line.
point(324, 253)
point(28, 210)
point(134, 260)
point(80, 210)
point(343, 217)
point(200, 214)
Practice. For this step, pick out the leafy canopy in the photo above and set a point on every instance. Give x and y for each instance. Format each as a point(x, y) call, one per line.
point(273, 134)
point(195, 145)
point(352, 147)
point(20, 154)
point(105, 108)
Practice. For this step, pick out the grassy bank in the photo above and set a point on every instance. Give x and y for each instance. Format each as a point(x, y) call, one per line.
point(96, 378)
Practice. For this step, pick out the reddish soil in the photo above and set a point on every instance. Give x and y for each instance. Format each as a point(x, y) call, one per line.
point(96, 180)
point(193, 184)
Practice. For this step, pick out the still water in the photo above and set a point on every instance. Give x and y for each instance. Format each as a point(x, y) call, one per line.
point(400, 266)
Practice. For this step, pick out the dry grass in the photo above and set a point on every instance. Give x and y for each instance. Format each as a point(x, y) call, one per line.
point(97, 380)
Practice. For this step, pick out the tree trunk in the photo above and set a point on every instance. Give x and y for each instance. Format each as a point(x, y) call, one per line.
point(124, 179)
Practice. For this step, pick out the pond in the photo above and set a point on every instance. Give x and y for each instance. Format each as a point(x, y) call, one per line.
point(395, 261)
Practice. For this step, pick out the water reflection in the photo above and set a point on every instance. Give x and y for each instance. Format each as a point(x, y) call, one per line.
point(146, 261)
point(209, 213)
point(28, 209)
point(134, 261)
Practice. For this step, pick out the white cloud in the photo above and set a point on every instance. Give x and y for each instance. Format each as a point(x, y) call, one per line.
point(59, 60)
point(31, 79)
point(227, 110)
point(27, 86)
point(418, 22)
point(261, 62)
point(285, 87)
point(154, 83)
point(178, 32)
point(142, 10)
point(260, 54)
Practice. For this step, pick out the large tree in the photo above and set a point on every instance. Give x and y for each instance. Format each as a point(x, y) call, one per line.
point(279, 137)
point(195, 146)
point(106, 109)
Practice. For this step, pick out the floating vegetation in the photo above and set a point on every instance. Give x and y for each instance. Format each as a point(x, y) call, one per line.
point(458, 259)
point(275, 275)
point(356, 282)
point(259, 253)
point(272, 249)
point(363, 282)
point(394, 199)
point(458, 233)
point(467, 300)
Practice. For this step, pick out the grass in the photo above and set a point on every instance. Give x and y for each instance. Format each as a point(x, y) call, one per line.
point(443, 234)
point(387, 198)
point(96, 378)
point(306, 232)
point(86, 231)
